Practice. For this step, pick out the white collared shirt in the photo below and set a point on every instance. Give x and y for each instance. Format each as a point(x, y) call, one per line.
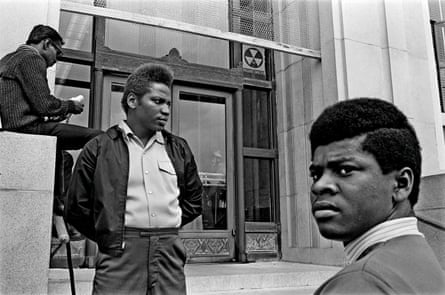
point(152, 193)
point(381, 233)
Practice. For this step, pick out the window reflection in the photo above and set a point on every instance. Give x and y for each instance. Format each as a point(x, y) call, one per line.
point(116, 114)
point(202, 122)
point(73, 80)
point(256, 118)
point(258, 190)
point(157, 42)
point(75, 72)
point(76, 30)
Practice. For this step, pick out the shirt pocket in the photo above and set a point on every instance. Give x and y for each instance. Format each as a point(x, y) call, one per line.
point(167, 167)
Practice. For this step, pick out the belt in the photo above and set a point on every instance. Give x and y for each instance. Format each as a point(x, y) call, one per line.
point(132, 232)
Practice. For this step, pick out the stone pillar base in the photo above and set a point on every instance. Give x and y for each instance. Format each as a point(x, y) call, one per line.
point(26, 201)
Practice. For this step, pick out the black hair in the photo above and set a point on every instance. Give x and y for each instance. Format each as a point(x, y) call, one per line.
point(390, 138)
point(139, 82)
point(42, 32)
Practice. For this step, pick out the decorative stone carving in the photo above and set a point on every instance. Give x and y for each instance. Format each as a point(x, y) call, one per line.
point(207, 247)
point(261, 242)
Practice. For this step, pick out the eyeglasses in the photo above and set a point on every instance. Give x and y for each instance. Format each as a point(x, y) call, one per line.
point(58, 49)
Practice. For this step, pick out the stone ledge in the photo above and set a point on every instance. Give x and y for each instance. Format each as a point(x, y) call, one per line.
point(25, 155)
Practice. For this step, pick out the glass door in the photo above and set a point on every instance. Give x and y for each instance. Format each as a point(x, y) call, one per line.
point(203, 118)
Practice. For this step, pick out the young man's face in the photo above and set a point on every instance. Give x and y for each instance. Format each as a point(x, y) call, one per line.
point(153, 109)
point(349, 194)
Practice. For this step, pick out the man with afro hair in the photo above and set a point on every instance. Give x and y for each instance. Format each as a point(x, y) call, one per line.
point(366, 168)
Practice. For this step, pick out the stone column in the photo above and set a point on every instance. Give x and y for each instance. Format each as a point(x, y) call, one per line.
point(27, 164)
point(430, 210)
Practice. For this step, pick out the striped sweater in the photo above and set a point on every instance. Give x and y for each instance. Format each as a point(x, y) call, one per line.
point(25, 97)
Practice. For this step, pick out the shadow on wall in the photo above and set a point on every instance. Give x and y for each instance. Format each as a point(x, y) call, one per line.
point(430, 211)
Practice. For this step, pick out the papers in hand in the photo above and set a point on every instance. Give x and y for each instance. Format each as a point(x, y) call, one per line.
point(79, 98)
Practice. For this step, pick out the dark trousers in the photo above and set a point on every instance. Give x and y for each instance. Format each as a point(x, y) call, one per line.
point(69, 137)
point(152, 264)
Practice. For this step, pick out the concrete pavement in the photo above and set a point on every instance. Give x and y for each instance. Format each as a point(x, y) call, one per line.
point(273, 278)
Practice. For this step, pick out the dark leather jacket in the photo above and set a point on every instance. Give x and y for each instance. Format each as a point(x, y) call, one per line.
point(96, 198)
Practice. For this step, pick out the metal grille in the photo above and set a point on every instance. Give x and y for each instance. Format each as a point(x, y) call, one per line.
point(100, 3)
point(252, 18)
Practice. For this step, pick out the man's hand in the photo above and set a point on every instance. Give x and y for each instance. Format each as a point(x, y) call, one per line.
point(78, 107)
point(54, 118)
point(78, 103)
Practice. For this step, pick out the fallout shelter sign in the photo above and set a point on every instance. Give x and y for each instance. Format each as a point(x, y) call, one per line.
point(254, 59)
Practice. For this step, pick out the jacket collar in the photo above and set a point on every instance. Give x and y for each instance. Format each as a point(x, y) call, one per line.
point(115, 132)
point(127, 132)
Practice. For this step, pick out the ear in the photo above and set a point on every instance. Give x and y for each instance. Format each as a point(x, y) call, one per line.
point(46, 43)
point(132, 100)
point(404, 184)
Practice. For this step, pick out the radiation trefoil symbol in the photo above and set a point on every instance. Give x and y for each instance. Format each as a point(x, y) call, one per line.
point(253, 57)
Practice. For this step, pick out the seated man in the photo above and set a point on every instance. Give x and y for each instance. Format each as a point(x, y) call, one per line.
point(365, 168)
point(26, 104)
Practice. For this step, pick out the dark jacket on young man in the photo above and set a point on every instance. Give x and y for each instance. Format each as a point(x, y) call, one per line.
point(25, 97)
point(97, 197)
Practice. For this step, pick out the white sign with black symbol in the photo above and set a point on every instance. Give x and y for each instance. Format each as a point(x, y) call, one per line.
point(254, 58)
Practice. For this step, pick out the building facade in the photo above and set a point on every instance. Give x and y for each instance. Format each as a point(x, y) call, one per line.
point(246, 108)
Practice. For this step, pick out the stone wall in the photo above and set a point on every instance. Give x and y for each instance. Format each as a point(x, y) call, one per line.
point(369, 49)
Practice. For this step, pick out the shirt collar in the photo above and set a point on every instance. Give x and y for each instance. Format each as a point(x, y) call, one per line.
point(28, 47)
point(381, 233)
point(128, 133)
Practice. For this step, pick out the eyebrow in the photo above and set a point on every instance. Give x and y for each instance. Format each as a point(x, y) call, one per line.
point(332, 162)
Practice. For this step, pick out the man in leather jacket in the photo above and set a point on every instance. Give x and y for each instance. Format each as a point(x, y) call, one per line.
point(131, 190)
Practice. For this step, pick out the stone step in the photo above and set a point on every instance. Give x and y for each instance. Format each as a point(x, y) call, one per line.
point(276, 277)
point(268, 291)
